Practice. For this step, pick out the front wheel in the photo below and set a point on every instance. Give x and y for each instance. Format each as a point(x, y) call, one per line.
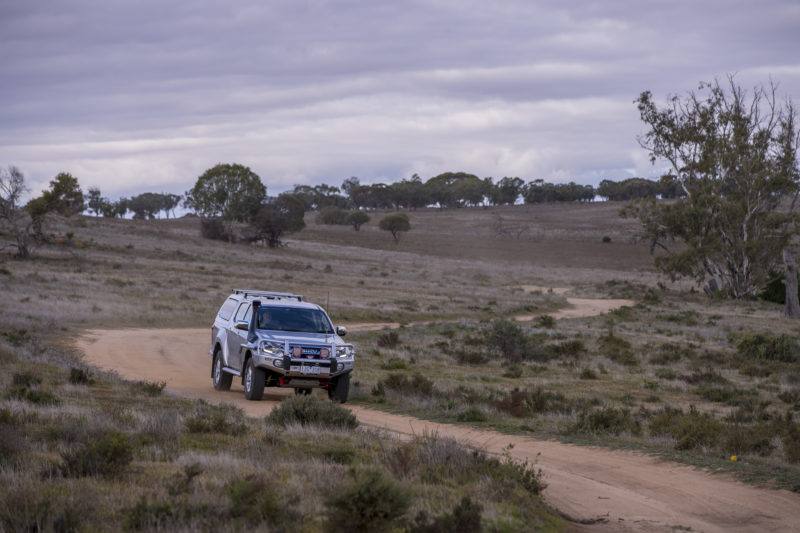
point(340, 388)
point(254, 379)
point(222, 380)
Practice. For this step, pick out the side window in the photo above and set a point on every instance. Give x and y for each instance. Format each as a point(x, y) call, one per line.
point(227, 308)
point(243, 314)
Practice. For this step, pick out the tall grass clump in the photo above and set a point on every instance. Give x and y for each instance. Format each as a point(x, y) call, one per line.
point(107, 455)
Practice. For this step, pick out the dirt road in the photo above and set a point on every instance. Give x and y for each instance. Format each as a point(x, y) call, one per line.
point(631, 492)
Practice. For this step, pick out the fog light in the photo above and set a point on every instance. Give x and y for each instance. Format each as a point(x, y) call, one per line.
point(340, 367)
point(278, 363)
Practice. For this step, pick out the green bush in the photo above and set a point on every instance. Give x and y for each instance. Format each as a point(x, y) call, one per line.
point(607, 420)
point(307, 410)
point(546, 321)
point(108, 455)
point(507, 338)
point(388, 339)
point(465, 518)
point(691, 430)
point(372, 502)
point(588, 373)
point(417, 385)
point(617, 349)
point(216, 419)
point(80, 376)
point(149, 516)
point(253, 500)
point(332, 216)
point(472, 414)
point(394, 364)
point(767, 346)
point(521, 403)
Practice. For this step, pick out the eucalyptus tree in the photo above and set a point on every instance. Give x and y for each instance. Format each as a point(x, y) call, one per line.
point(733, 153)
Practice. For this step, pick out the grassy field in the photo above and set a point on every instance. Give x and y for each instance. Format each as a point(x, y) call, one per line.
point(676, 374)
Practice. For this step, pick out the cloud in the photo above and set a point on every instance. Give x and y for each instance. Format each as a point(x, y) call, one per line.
point(134, 96)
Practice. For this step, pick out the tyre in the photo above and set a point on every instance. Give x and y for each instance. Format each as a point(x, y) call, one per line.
point(222, 380)
point(340, 388)
point(254, 379)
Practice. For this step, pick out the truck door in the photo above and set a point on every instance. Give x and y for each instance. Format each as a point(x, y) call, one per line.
point(237, 337)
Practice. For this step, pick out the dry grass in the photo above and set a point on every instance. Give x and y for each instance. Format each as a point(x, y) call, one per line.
point(673, 350)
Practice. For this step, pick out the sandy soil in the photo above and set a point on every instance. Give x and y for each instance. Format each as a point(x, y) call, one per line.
point(626, 491)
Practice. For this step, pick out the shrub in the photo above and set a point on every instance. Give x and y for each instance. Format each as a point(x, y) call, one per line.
point(791, 442)
point(213, 228)
point(666, 373)
point(357, 219)
point(546, 321)
point(588, 373)
point(252, 499)
point(671, 353)
point(691, 430)
point(606, 239)
point(513, 370)
point(151, 388)
point(371, 502)
point(394, 364)
point(388, 339)
point(17, 336)
point(80, 376)
point(25, 379)
point(417, 385)
point(522, 403)
point(767, 346)
point(216, 419)
point(571, 348)
point(508, 339)
point(607, 420)
point(108, 455)
point(332, 216)
point(465, 518)
point(307, 410)
point(150, 516)
point(617, 349)
point(472, 414)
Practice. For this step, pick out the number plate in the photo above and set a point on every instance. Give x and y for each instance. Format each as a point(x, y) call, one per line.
point(309, 370)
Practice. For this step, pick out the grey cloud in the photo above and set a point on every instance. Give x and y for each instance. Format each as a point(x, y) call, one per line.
point(320, 90)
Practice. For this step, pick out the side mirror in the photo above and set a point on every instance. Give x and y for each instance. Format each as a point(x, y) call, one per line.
point(244, 326)
point(341, 331)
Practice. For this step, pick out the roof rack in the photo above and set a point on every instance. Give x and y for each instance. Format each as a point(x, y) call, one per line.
point(269, 295)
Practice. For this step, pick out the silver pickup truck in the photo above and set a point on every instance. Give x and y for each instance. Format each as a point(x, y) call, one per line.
point(275, 339)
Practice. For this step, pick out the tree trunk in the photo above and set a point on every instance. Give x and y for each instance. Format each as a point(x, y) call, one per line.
point(792, 308)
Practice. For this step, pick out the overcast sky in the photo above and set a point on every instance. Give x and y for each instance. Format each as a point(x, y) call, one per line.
point(144, 95)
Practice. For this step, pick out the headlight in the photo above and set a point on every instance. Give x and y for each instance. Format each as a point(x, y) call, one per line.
point(345, 351)
point(271, 348)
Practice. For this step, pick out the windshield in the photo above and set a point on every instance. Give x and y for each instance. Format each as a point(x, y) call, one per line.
point(294, 319)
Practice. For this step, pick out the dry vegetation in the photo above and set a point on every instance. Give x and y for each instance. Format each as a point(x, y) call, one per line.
point(676, 374)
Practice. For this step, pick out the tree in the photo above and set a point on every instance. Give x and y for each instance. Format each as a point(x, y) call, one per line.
point(277, 217)
point(145, 205)
point(64, 197)
point(234, 193)
point(332, 216)
point(95, 201)
point(357, 219)
point(12, 187)
point(735, 158)
point(395, 223)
